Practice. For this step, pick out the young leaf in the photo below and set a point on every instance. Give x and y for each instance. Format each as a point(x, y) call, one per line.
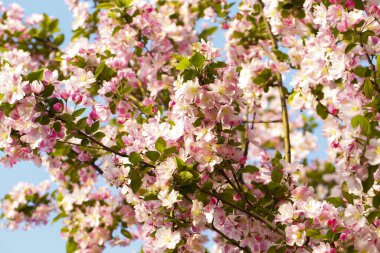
point(198, 60)
point(208, 32)
point(36, 75)
point(336, 201)
point(71, 246)
point(349, 47)
point(276, 175)
point(78, 112)
point(134, 158)
point(105, 6)
point(368, 88)
point(136, 184)
point(322, 111)
point(160, 145)
point(152, 155)
point(185, 178)
point(363, 122)
point(183, 64)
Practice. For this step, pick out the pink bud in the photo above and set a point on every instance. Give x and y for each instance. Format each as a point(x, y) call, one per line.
point(171, 104)
point(225, 26)
point(333, 110)
point(350, 4)
point(77, 98)
point(335, 144)
point(58, 107)
point(65, 95)
point(149, 9)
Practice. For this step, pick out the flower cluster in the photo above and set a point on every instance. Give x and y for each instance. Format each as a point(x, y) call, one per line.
point(27, 205)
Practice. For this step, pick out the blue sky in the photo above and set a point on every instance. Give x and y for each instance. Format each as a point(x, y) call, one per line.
point(46, 239)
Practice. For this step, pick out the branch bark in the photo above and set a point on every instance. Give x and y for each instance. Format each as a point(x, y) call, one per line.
point(281, 90)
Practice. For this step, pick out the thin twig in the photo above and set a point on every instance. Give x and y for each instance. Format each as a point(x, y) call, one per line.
point(264, 121)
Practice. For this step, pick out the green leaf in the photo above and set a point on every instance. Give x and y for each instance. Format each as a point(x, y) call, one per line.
point(48, 91)
point(95, 126)
point(363, 122)
point(207, 186)
point(58, 217)
point(359, 4)
point(198, 122)
point(100, 69)
point(322, 111)
point(105, 6)
point(312, 232)
point(185, 178)
point(71, 246)
point(336, 201)
point(281, 56)
point(160, 145)
point(276, 175)
point(134, 158)
point(183, 64)
point(35, 76)
point(152, 155)
point(373, 215)
point(378, 63)
point(99, 135)
point(151, 195)
point(218, 64)
point(78, 112)
point(362, 71)
point(368, 88)
point(198, 60)
point(126, 233)
point(43, 120)
point(136, 184)
point(368, 183)
point(59, 39)
point(248, 169)
point(57, 126)
point(208, 32)
point(82, 123)
point(376, 200)
point(349, 47)
point(168, 152)
point(180, 164)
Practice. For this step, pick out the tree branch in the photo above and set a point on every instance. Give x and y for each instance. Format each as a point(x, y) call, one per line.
point(281, 90)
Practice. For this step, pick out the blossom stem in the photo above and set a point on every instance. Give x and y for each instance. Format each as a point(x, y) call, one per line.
point(281, 90)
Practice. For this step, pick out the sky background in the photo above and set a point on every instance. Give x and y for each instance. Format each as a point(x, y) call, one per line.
point(46, 239)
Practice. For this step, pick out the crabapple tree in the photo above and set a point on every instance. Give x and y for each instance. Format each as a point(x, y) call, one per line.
point(200, 143)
